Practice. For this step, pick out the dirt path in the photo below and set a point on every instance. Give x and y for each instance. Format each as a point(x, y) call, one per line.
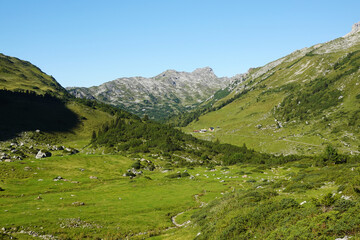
point(173, 219)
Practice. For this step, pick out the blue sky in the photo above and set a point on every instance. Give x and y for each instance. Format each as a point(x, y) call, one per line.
point(86, 42)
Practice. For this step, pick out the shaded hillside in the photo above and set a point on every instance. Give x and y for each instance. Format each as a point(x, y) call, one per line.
point(159, 97)
point(32, 100)
point(16, 74)
point(29, 112)
point(296, 104)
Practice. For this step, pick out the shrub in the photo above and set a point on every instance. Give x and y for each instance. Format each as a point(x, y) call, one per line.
point(130, 174)
point(136, 165)
point(342, 205)
point(288, 203)
point(251, 181)
point(185, 174)
point(328, 200)
point(174, 175)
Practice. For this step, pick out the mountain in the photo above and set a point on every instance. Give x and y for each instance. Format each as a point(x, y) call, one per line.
point(168, 93)
point(296, 104)
point(16, 74)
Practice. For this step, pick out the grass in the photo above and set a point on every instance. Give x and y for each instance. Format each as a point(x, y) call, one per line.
point(117, 207)
point(114, 204)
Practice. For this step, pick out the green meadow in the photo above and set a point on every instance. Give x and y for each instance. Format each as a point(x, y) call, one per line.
point(87, 197)
point(114, 206)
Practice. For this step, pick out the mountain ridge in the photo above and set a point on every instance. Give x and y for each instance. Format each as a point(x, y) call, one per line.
point(295, 104)
point(170, 92)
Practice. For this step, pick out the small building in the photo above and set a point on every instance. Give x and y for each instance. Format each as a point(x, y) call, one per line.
point(196, 131)
point(211, 129)
point(203, 130)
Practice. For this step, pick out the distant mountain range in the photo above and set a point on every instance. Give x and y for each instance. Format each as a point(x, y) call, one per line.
point(166, 94)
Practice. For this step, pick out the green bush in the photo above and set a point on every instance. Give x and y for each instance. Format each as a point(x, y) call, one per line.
point(288, 203)
point(343, 205)
point(184, 174)
point(136, 165)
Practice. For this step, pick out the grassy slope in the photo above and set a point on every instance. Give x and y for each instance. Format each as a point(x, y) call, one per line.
point(238, 120)
point(262, 209)
point(16, 74)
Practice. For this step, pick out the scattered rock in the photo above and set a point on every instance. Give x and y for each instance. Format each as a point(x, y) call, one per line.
point(57, 179)
point(344, 238)
point(76, 204)
point(71, 151)
point(93, 177)
point(38, 198)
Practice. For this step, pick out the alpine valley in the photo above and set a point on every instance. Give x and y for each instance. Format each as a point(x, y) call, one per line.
point(269, 154)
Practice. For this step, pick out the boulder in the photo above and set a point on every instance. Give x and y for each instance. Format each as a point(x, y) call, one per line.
point(42, 154)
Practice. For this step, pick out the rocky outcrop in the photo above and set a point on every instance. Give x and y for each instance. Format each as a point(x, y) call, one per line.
point(355, 29)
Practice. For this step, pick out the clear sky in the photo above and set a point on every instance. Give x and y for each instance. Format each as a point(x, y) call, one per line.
point(88, 42)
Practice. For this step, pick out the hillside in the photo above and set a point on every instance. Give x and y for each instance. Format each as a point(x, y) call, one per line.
point(296, 104)
point(31, 100)
point(16, 74)
point(159, 97)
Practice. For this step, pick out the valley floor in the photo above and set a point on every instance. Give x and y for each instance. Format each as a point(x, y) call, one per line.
point(86, 196)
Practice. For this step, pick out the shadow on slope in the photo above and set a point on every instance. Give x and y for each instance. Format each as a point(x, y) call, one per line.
point(26, 111)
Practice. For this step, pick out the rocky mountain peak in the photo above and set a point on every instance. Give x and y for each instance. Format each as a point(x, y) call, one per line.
point(168, 93)
point(355, 29)
point(204, 73)
point(204, 70)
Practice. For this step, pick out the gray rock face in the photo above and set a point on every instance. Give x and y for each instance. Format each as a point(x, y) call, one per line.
point(168, 93)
